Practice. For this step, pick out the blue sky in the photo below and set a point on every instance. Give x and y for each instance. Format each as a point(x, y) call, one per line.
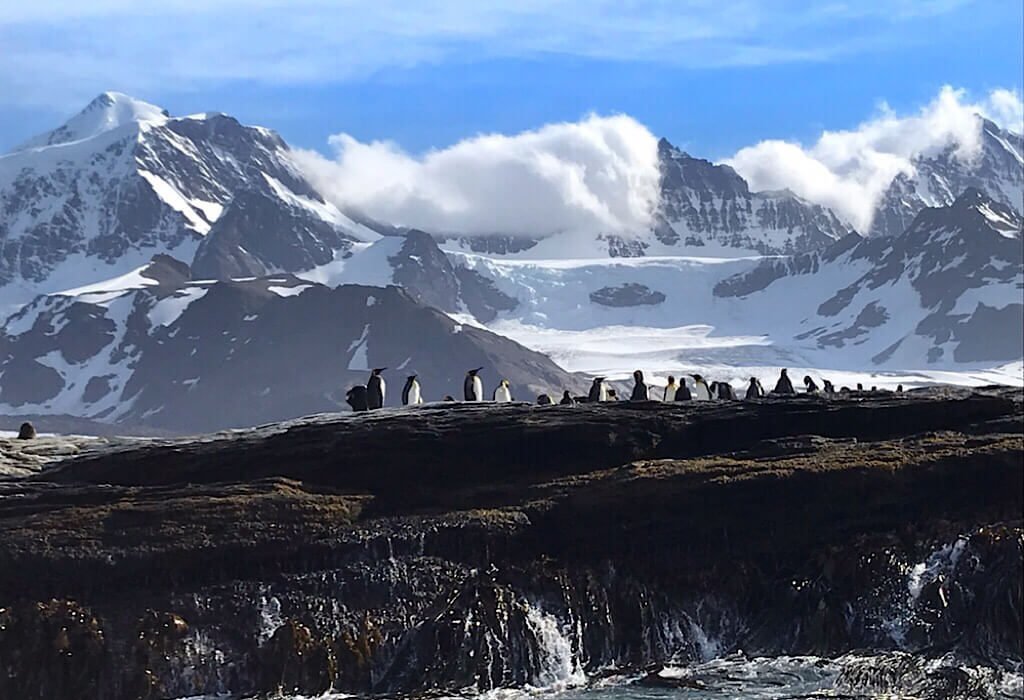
point(711, 76)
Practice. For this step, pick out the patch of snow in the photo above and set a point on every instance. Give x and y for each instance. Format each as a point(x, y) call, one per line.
point(289, 291)
point(174, 199)
point(359, 360)
point(167, 310)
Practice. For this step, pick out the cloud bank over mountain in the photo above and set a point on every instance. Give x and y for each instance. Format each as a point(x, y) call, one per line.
point(600, 173)
point(849, 170)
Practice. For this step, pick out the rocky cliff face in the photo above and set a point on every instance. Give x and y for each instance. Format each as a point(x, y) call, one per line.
point(493, 546)
point(997, 169)
point(947, 287)
point(703, 204)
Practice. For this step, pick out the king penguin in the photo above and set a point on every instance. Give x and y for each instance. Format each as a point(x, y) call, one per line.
point(356, 398)
point(375, 389)
point(639, 387)
point(503, 394)
point(754, 390)
point(683, 392)
point(701, 390)
point(411, 392)
point(473, 387)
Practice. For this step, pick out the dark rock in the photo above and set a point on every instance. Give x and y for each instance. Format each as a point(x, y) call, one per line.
point(628, 294)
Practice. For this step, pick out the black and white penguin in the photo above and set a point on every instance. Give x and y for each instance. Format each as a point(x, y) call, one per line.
point(544, 400)
point(860, 387)
point(473, 387)
point(639, 387)
point(701, 390)
point(670, 389)
point(356, 398)
point(598, 391)
point(723, 390)
point(784, 386)
point(567, 399)
point(899, 388)
point(683, 392)
point(376, 389)
point(828, 387)
point(754, 390)
point(611, 395)
point(503, 394)
point(411, 392)
point(810, 385)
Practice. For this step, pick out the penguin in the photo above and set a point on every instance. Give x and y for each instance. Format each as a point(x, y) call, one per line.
point(544, 400)
point(598, 391)
point(701, 390)
point(502, 394)
point(27, 431)
point(670, 389)
point(724, 391)
point(899, 388)
point(860, 387)
point(683, 392)
point(411, 392)
point(473, 387)
point(754, 390)
point(828, 387)
point(610, 395)
point(784, 386)
point(356, 398)
point(639, 387)
point(567, 399)
point(810, 385)
point(375, 389)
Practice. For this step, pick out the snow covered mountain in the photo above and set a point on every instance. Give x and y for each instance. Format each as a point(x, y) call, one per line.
point(997, 169)
point(703, 209)
point(123, 181)
point(949, 289)
point(704, 205)
point(158, 349)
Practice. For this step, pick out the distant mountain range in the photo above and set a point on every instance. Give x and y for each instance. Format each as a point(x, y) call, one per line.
point(150, 265)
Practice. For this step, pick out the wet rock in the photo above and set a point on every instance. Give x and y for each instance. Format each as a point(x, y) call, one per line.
point(294, 661)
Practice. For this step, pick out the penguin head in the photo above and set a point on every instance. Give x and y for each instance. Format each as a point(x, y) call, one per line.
point(566, 394)
point(505, 383)
point(411, 378)
point(671, 379)
point(378, 370)
point(783, 373)
point(473, 372)
point(598, 380)
point(753, 380)
point(638, 375)
point(697, 377)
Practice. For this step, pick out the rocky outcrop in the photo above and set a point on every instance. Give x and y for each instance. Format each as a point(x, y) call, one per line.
point(489, 546)
point(628, 294)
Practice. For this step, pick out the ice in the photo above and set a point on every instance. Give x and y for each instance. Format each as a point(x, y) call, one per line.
point(289, 291)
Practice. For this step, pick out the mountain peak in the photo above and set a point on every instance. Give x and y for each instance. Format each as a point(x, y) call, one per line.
point(108, 111)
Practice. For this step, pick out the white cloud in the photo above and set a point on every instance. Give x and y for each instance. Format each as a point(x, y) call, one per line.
point(598, 174)
point(849, 170)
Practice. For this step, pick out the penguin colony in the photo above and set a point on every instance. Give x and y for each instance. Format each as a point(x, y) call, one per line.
point(372, 395)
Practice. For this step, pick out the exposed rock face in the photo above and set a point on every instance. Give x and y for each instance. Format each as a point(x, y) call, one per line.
point(301, 556)
point(997, 169)
point(195, 356)
point(962, 265)
point(706, 204)
point(629, 294)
